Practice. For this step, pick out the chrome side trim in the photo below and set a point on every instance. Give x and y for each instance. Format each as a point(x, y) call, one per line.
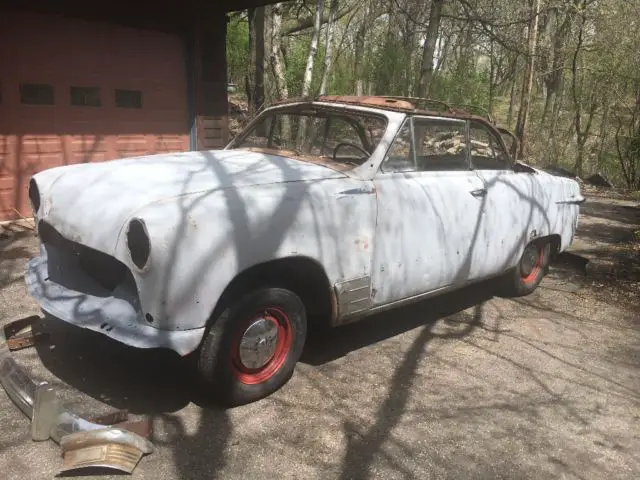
point(577, 201)
point(353, 296)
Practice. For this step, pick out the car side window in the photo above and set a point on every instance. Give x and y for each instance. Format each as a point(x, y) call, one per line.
point(400, 155)
point(487, 152)
point(333, 132)
point(441, 145)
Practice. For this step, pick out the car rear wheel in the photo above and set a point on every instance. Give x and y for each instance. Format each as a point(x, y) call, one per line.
point(532, 267)
point(251, 350)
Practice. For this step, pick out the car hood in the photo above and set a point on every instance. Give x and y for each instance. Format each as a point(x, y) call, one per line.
point(90, 203)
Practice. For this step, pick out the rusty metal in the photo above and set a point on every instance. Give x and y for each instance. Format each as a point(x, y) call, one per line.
point(21, 326)
point(144, 428)
point(24, 341)
point(369, 101)
point(470, 109)
point(112, 418)
point(21, 334)
point(84, 443)
point(418, 101)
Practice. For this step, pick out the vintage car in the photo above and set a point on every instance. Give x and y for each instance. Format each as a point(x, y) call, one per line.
point(323, 211)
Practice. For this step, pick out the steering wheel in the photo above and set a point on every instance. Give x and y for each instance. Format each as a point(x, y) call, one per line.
point(348, 144)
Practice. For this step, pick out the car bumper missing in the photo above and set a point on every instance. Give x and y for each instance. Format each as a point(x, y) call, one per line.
point(64, 291)
point(85, 444)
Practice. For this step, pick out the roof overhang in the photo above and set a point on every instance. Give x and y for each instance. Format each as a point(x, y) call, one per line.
point(242, 4)
point(170, 15)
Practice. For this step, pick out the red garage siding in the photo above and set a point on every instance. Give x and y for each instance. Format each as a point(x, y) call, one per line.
point(41, 53)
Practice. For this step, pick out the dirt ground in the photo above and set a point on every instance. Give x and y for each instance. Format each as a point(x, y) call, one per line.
point(463, 386)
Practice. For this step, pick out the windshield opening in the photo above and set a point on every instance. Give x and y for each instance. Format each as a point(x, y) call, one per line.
point(347, 138)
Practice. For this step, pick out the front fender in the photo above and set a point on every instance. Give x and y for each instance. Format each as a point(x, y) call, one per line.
point(201, 242)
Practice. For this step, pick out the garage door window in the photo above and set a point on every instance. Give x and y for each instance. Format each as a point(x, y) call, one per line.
point(128, 98)
point(85, 96)
point(36, 94)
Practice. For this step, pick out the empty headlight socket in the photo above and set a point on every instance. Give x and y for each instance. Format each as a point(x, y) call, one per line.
point(138, 243)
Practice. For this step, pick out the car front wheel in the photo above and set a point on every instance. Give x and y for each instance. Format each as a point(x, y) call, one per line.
point(251, 350)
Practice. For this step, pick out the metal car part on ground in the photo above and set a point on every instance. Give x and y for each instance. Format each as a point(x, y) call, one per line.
point(85, 443)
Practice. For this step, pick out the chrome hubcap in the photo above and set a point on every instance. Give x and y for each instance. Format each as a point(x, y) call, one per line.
point(529, 260)
point(258, 344)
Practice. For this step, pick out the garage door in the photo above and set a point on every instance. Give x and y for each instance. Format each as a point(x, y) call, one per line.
point(74, 91)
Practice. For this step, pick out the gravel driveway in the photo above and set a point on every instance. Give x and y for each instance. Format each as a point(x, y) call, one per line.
point(464, 386)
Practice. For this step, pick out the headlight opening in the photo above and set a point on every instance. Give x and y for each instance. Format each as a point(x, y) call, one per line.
point(34, 196)
point(138, 243)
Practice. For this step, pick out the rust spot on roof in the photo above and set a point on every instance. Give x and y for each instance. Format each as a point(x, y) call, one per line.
point(369, 101)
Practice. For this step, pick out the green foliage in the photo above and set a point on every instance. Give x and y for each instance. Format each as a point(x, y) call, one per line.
point(469, 87)
point(296, 61)
point(237, 51)
point(389, 71)
point(590, 79)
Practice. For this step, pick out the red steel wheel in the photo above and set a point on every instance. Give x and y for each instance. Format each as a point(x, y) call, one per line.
point(532, 263)
point(261, 346)
point(251, 348)
point(525, 277)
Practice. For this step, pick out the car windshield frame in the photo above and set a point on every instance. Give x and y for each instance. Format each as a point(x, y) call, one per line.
point(313, 111)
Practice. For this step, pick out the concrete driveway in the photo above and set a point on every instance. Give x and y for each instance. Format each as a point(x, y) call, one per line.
point(463, 386)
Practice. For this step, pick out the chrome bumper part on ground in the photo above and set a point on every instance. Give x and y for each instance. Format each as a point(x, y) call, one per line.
point(84, 443)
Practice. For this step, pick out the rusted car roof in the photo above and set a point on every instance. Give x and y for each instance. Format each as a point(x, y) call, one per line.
point(415, 105)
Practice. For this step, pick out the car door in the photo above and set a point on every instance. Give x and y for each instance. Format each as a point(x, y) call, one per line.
point(509, 208)
point(428, 211)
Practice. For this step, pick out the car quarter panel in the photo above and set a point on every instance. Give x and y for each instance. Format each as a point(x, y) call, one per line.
point(519, 207)
point(201, 242)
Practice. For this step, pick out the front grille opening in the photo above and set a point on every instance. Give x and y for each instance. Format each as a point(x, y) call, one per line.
point(104, 269)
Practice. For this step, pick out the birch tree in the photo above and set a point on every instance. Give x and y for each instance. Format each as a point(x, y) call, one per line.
point(328, 57)
point(313, 49)
point(527, 82)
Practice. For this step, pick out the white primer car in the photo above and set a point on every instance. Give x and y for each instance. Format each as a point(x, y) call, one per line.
point(323, 211)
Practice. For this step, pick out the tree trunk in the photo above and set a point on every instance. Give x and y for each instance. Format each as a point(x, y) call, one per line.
point(308, 73)
point(277, 64)
point(555, 113)
point(491, 76)
point(313, 49)
point(577, 102)
point(275, 56)
point(359, 52)
point(512, 94)
point(428, 51)
point(527, 83)
point(555, 79)
point(255, 82)
point(328, 57)
point(603, 133)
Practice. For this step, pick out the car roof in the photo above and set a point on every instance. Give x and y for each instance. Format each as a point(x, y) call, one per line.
point(409, 105)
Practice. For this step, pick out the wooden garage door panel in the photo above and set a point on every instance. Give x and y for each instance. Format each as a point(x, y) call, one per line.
point(62, 53)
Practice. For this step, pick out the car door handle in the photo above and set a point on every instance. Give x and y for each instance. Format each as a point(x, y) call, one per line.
point(480, 192)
